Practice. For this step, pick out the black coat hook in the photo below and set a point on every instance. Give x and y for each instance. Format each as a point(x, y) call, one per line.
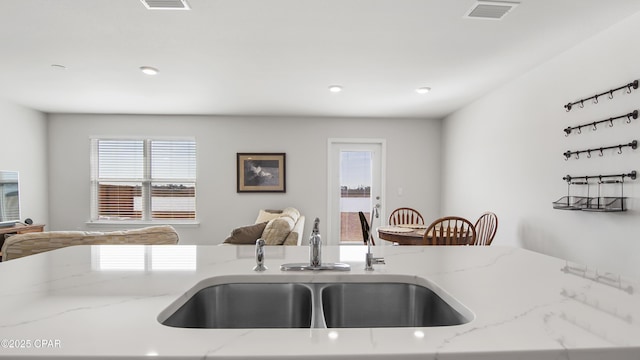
point(595, 97)
point(578, 128)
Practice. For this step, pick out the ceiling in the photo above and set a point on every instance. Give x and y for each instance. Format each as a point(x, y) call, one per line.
point(278, 57)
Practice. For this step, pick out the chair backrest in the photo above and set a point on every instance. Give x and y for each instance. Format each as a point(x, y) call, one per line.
point(486, 228)
point(405, 215)
point(366, 230)
point(450, 230)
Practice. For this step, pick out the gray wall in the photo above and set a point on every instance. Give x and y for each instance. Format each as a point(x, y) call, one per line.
point(504, 153)
point(413, 163)
point(23, 147)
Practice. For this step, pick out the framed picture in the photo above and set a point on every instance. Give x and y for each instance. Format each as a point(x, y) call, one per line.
point(261, 172)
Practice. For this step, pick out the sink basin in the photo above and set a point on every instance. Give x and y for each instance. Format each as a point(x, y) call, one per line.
point(246, 305)
point(365, 305)
point(254, 305)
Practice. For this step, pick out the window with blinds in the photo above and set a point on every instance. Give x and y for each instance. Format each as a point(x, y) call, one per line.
point(143, 180)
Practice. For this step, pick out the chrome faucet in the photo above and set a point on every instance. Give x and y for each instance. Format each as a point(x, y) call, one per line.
point(259, 256)
point(315, 256)
point(369, 260)
point(315, 245)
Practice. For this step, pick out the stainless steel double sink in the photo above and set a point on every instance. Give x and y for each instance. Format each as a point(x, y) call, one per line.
point(315, 305)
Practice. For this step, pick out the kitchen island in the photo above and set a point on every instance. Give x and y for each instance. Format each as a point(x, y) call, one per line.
point(105, 302)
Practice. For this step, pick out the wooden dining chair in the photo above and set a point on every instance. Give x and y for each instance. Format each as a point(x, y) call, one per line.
point(486, 228)
point(450, 230)
point(405, 215)
point(366, 230)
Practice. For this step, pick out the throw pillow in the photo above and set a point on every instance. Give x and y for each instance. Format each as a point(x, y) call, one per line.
point(277, 230)
point(246, 235)
point(293, 213)
point(266, 215)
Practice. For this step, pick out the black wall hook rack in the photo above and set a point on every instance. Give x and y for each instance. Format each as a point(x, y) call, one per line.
point(581, 102)
point(595, 203)
point(632, 175)
point(629, 116)
point(567, 154)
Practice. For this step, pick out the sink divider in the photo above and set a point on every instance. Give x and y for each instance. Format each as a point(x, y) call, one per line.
point(317, 314)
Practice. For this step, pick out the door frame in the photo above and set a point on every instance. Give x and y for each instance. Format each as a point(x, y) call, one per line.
point(330, 168)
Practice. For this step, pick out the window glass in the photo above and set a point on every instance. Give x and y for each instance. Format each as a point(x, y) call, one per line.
point(143, 179)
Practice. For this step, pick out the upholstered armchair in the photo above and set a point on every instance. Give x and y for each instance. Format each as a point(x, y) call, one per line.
point(275, 227)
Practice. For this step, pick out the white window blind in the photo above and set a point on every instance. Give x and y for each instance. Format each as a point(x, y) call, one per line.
point(143, 179)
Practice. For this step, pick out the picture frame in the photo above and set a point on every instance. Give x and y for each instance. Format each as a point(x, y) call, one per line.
point(261, 172)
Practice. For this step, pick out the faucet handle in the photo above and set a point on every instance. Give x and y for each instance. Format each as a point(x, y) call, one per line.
point(370, 261)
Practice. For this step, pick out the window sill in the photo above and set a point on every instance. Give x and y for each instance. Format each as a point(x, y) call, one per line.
point(176, 223)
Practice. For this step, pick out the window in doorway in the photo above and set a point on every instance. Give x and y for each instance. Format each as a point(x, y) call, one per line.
point(143, 180)
point(355, 193)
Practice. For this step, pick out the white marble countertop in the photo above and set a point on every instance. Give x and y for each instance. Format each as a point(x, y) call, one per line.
point(105, 301)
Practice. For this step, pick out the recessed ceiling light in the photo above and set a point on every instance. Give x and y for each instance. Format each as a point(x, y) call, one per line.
point(58, 67)
point(335, 88)
point(149, 70)
point(423, 90)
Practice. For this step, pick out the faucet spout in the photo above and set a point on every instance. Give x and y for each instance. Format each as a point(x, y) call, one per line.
point(315, 245)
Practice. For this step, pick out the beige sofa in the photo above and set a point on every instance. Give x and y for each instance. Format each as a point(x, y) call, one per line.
point(20, 245)
point(276, 227)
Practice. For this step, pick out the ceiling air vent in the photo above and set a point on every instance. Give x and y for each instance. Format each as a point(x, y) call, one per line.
point(490, 10)
point(166, 4)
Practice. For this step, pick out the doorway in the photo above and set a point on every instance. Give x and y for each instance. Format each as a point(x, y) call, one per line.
point(356, 170)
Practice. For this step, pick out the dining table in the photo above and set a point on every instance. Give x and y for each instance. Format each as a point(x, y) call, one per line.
point(405, 234)
point(411, 234)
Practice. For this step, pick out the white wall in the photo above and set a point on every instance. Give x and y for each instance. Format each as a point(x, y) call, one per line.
point(504, 153)
point(413, 162)
point(23, 147)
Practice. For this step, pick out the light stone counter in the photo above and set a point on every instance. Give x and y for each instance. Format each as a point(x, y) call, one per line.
point(105, 302)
